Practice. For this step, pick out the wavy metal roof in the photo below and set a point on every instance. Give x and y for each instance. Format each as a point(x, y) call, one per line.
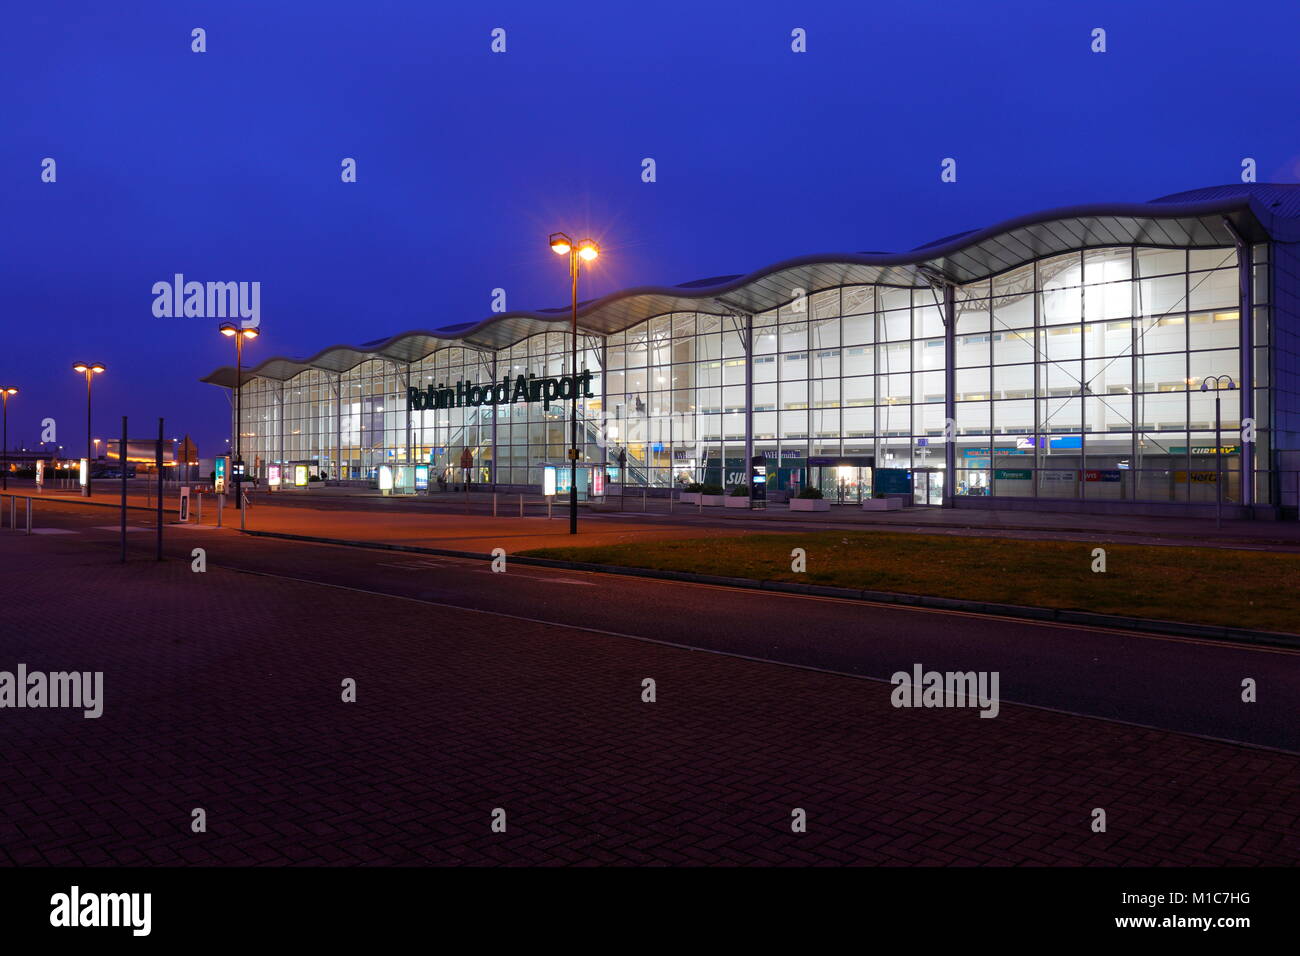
point(1195, 218)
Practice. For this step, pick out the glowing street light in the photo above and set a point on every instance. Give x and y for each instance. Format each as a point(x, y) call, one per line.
point(6, 391)
point(584, 251)
point(230, 330)
point(90, 371)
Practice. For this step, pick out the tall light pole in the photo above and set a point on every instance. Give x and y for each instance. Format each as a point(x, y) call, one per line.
point(90, 371)
point(1219, 385)
point(6, 391)
point(229, 329)
point(584, 251)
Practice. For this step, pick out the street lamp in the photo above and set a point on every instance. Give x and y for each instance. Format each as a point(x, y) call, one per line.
point(230, 330)
point(1219, 385)
point(90, 371)
point(6, 391)
point(584, 251)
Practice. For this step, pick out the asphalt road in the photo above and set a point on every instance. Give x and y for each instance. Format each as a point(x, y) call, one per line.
point(1187, 685)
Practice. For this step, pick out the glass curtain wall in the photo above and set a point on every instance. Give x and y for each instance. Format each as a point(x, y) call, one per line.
point(1075, 377)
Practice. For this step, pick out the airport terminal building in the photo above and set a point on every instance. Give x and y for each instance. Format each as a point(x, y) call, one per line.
point(1053, 361)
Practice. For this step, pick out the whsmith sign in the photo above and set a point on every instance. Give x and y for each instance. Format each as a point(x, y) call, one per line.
point(524, 389)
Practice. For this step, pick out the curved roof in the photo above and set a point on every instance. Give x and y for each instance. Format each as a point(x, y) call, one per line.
point(1199, 217)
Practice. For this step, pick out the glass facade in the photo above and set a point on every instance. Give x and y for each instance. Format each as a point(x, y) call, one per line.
point(1076, 376)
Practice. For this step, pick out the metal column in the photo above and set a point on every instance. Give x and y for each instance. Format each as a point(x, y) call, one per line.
point(950, 391)
point(1246, 343)
point(747, 340)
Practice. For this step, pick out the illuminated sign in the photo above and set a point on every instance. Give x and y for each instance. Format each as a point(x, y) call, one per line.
point(525, 388)
point(1091, 475)
point(219, 474)
point(273, 475)
point(385, 478)
point(40, 473)
point(1205, 450)
point(421, 477)
point(1011, 474)
point(85, 471)
point(598, 482)
point(300, 476)
point(548, 480)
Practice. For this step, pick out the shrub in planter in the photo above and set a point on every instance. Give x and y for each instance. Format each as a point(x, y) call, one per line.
point(711, 496)
point(739, 497)
point(694, 488)
point(809, 499)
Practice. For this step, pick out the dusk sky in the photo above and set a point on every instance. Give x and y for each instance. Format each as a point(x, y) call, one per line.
point(225, 165)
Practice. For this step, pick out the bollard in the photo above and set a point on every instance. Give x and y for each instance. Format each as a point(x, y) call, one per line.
point(29, 515)
point(494, 504)
point(199, 519)
point(244, 509)
point(643, 500)
point(221, 507)
point(521, 506)
point(549, 499)
point(670, 502)
point(13, 512)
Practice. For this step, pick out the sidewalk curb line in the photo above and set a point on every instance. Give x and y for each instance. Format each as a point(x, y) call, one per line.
point(1056, 615)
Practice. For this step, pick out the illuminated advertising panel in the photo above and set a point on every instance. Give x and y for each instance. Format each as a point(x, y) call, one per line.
point(548, 480)
point(421, 477)
point(385, 478)
point(84, 472)
point(273, 475)
point(300, 476)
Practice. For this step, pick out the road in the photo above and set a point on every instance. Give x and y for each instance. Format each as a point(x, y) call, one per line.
point(1187, 685)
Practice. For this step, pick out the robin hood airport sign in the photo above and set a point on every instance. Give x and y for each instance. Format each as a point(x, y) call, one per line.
point(524, 388)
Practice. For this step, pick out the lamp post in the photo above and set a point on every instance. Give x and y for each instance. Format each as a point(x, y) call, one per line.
point(230, 330)
point(90, 371)
point(584, 251)
point(6, 391)
point(1219, 385)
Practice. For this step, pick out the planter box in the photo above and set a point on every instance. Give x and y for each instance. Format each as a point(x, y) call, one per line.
point(809, 504)
point(882, 504)
point(690, 497)
point(712, 501)
point(733, 502)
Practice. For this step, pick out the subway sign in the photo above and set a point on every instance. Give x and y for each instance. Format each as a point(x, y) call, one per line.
point(525, 388)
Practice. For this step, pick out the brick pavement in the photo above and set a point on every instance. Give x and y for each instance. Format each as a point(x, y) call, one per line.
point(222, 692)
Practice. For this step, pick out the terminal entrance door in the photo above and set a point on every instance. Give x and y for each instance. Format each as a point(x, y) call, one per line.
point(845, 480)
point(927, 486)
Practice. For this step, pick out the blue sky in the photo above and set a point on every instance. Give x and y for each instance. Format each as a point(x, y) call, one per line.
point(225, 165)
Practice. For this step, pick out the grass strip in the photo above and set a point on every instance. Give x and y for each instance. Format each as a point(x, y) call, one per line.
point(1249, 589)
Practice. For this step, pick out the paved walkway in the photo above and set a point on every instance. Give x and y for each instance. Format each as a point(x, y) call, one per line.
point(222, 691)
point(447, 521)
